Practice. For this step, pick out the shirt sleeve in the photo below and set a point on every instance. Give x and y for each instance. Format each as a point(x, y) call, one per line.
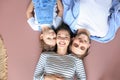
point(80, 71)
point(57, 22)
point(33, 25)
point(39, 71)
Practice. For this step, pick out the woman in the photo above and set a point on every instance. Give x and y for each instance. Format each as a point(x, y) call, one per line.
point(59, 64)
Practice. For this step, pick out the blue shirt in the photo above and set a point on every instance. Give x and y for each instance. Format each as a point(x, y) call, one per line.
point(71, 13)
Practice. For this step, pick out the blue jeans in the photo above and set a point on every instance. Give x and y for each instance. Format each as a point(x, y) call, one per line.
point(44, 10)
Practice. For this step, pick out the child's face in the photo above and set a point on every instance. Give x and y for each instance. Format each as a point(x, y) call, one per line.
point(63, 38)
point(80, 44)
point(49, 37)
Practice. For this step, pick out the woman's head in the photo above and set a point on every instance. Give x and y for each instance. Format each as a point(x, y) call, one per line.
point(48, 39)
point(63, 36)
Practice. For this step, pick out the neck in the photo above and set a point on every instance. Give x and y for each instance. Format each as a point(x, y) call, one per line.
point(62, 51)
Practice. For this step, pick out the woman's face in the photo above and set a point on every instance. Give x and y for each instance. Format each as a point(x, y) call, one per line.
point(49, 37)
point(80, 44)
point(63, 39)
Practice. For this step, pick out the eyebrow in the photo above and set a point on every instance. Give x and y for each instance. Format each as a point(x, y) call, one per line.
point(65, 35)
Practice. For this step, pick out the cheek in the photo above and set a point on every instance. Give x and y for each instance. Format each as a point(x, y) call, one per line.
point(57, 41)
point(54, 42)
point(87, 45)
point(45, 36)
point(68, 42)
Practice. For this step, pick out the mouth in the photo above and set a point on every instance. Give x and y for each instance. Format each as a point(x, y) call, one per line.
point(62, 44)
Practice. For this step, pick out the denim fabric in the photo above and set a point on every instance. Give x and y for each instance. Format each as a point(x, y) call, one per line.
point(44, 10)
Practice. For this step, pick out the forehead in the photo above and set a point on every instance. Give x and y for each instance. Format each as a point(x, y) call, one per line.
point(63, 32)
point(82, 35)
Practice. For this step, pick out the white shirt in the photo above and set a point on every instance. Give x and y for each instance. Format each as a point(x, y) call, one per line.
point(93, 16)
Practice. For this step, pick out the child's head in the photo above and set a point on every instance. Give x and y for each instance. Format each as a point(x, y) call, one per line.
point(48, 39)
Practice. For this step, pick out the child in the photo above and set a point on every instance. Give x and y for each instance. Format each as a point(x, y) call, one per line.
point(44, 15)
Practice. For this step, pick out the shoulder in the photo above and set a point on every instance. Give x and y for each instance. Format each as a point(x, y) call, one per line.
point(47, 53)
point(75, 57)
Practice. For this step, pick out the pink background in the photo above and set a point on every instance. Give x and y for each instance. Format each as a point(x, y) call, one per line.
point(22, 43)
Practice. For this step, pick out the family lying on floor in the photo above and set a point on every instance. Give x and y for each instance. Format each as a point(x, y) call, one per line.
point(67, 28)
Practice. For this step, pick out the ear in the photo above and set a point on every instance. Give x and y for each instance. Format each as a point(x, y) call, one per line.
point(41, 36)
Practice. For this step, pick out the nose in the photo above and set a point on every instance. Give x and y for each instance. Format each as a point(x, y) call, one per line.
point(62, 38)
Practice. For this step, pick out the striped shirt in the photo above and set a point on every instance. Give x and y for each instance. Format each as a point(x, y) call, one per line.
point(66, 66)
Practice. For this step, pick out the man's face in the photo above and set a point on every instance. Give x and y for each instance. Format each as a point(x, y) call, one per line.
point(49, 37)
point(80, 44)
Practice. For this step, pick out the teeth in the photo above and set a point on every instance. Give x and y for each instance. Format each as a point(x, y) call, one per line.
point(61, 43)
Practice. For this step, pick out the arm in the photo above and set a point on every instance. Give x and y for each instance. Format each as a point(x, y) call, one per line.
point(58, 18)
point(39, 71)
point(60, 8)
point(80, 71)
point(29, 12)
point(30, 17)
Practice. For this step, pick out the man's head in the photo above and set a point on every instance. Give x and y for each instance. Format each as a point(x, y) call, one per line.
point(80, 44)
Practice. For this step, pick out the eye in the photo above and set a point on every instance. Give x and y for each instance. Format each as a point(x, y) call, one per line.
point(76, 45)
point(54, 38)
point(48, 38)
point(58, 37)
point(66, 37)
point(82, 48)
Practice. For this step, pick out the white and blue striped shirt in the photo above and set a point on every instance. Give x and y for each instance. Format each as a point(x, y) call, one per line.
point(66, 66)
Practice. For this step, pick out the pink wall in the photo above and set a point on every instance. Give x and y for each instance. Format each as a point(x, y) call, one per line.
point(103, 62)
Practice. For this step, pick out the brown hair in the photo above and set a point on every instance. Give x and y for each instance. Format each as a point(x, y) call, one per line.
point(46, 47)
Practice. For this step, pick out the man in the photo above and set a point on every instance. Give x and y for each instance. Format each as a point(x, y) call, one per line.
point(99, 17)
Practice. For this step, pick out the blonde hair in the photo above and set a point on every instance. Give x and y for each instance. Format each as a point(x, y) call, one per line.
point(3, 61)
